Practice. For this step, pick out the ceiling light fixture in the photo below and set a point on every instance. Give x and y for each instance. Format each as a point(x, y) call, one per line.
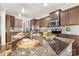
point(45, 4)
point(19, 15)
point(29, 3)
point(23, 10)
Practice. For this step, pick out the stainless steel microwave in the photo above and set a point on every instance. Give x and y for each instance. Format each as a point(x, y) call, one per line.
point(54, 23)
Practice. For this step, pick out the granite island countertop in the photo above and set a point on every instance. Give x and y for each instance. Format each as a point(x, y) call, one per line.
point(43, 50)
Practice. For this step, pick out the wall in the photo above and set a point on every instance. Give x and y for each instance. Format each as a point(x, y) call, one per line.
point(17, 29)
point(3, 40)
point(49, 28)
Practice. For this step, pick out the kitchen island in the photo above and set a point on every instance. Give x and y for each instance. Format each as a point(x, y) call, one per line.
point(44, 49)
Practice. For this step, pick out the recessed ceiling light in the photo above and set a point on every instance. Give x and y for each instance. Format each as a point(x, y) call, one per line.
point(29, 3)
point(45, 4)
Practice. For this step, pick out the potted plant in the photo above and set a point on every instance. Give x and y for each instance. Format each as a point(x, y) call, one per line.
point(68, 30)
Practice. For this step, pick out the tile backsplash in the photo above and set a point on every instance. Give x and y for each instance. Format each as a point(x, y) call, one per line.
point(17, 29)
point(74, 30)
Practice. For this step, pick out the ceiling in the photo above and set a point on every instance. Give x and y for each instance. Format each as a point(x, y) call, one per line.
point(34, 10)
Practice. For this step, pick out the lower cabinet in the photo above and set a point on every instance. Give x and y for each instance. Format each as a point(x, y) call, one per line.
point(8, 37)
point(67, 51)
point(75, 45)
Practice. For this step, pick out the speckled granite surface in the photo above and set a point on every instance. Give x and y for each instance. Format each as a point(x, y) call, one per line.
point(43, 50)
point(2, 51)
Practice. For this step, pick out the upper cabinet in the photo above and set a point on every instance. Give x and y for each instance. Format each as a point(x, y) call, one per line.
point(44, 22)
point(64, 18)
point(73, 14)
point(55, 15)
point(78, 15)
point(10, 22)
point(18, 23)
point(70, 16)
point(34, 23)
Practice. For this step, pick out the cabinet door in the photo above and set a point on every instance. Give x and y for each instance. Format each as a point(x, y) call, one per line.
point(18, 23)
point(54, 15)
point(7, 23)
point(73, 16)
point(44, 22)
point(8, 37)
point(12, 21)
point(64, 18)
point(78, 47)
point(40, 23)
point(78, 15)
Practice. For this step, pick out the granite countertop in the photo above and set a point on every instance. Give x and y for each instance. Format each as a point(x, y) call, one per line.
point(43, 50)
point(2, 51)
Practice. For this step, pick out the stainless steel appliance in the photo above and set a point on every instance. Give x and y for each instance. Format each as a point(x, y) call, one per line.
point(54, 23)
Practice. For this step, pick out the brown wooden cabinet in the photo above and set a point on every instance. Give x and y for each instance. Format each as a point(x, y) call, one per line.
point(55, 15)
point(40, 23)
point(33, 22)
point(44, 22)
point(18, 23)
point(73, 16)
point(75, 45)
point(64, 18)
point(8, 37)
point(70, 16)
point(78, 15)
point(10, 22)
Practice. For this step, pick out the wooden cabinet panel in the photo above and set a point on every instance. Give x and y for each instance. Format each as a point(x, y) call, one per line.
point(7, 23)
point(54, 15)
point(41, 23)
point(18, 23)
point(75, 46)
point(10, 22)
point(64, 18)
point(78, 14)
point(8, 37)
point(73, 16)
point(33, 22)
point(44, 22)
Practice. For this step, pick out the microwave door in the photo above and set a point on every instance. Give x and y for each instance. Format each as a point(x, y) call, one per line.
point(53, 23)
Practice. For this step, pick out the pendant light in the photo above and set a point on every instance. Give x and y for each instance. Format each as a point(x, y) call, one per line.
point(23, 10)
